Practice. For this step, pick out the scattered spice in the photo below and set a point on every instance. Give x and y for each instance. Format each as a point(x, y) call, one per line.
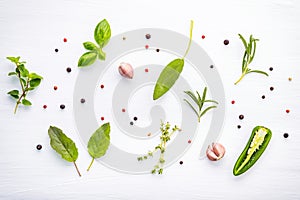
point(239, 126)
point(287, 111)
point(135, 118)
point(181, 162)
point(56, 50)
point(148, 36)
point(285, 135)
point(189, 141)
point(101, 86)
point(39, 147)
point(157, 50)
point(211, 66)
point(62, 106)
point(271, 88)
point(226, 42)
point(55, 87)
point(232, 102)
point(65, 40)
point(131, 123)
point(149, 134)
point(146, 70)
point(271, 68)
point(146, 46)
point(290, 79)
point(44, 106)
point(123, 38)
point(241, 117)
point(123, 110)
point(102, 118)
point(82, 100)
point(263, 96)
point(203, 37)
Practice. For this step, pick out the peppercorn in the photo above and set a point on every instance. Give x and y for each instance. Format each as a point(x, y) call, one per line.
point(38, 147)
point(62, 106)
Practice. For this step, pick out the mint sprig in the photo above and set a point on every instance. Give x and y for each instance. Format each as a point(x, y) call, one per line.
point(28, 82)
point(102, 36)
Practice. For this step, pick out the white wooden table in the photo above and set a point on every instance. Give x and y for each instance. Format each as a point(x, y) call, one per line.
point(34, 29)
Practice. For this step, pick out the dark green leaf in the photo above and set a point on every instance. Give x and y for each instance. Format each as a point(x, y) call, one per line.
point(99, 141)
point(34, 76)
point(14, 94)
point(14, 59)
point(12, 73)
point(87, 59)
point(102, 33)
point(196, 112)
point(168, 77)
point(244, 41)
point(193, 97)
point(89, 46)
point(207, 109)
point(101, 54)
point(62, 144)
point(258, 71)
point(35, 82)
point(25, 102)
point(29, 89)
point(211, 101)
point(23, 71)
point(24, 82)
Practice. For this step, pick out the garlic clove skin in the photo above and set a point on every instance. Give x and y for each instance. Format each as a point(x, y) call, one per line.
point(126, 70)
point(215, 152)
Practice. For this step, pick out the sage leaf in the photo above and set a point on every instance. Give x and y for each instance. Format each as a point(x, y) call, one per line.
point(63, 145)
point(102, 33)
point(168, 77)
point(171, 72)
point(99, 142)
point(25, 102)
point(87, 58)
point(89, 46)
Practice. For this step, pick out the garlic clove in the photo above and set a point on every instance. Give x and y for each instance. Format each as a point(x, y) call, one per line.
point(215, 152)
point(126, 70)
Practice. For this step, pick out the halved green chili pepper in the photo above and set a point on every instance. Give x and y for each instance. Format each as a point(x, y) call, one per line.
point(256, 145)
point(171, 72)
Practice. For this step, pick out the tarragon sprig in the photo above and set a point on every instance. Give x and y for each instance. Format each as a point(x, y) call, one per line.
point(166, 135)
point(199, 101)
point(28, 81)
point(249, 54)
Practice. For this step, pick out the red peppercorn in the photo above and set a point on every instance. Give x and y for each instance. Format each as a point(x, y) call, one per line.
point(44, 106)
point(232, 102)
point(65, 40)
point(146, 46)
point(189, 141)
point(123, 110)
point(55, 87)
point(101, 86)
point(146, 70)
point(102, 118)
point(203, 36)
point(287, 111)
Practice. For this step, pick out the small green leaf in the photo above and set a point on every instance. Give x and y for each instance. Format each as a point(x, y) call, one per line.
point(14, 59)
point(207, 109)
point(62, 144)
point(193, 97)
point(25, 102)
point(99, 141)
point(101, 54)
point(29, 89)
point(23, 71)
point(102, 33)
point(34, 76)
point(89, 46)
point(35, 82)
point(258, 71)
point(12, 73)
point(14, 94)
point(24, 82)
point(244, 41)
point(87, 59)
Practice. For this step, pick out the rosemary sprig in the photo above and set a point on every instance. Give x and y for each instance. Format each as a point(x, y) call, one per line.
point(167, 133)
point(249, 54)
point(200, 101)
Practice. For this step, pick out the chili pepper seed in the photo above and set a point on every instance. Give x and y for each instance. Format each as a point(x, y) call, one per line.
point(290, 79)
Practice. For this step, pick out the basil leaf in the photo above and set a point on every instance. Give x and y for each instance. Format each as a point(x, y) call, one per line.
point(168, 77)
point(99, 142)
point(89, 46)
point(25, 102)
point(62, 144)
point(102, 33)
point(101, 54)
point(14, 94)
point(35, 82)
point(87, 58)
point(12, 73)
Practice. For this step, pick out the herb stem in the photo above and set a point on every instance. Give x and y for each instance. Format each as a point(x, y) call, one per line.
point(242, 76)
point(90, 164)
point(190, 41)
point(77, 168)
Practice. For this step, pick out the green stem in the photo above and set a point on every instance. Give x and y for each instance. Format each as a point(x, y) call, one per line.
point(90, 164)
point(190, 41)
point(242, 76)
point(77, 168)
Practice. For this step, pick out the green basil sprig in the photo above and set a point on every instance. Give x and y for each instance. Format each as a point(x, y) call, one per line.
point(256, 145)
point(171, 72)
point(99, 142)
point(28, 82)
point(250, 49)
point(63, 145)
point(102, 36)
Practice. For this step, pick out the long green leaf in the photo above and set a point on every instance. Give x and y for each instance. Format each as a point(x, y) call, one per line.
point(207, 109)
point(192, 107)
point(258, 71)
point(193, 97)
point(211, 101)
point(244, 41)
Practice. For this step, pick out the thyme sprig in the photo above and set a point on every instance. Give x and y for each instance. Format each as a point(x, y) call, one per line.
point(250, 49)
point(166, 135)
point(199, 101)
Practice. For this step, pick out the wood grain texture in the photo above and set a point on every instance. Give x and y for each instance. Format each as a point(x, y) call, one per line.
point(33, 29)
